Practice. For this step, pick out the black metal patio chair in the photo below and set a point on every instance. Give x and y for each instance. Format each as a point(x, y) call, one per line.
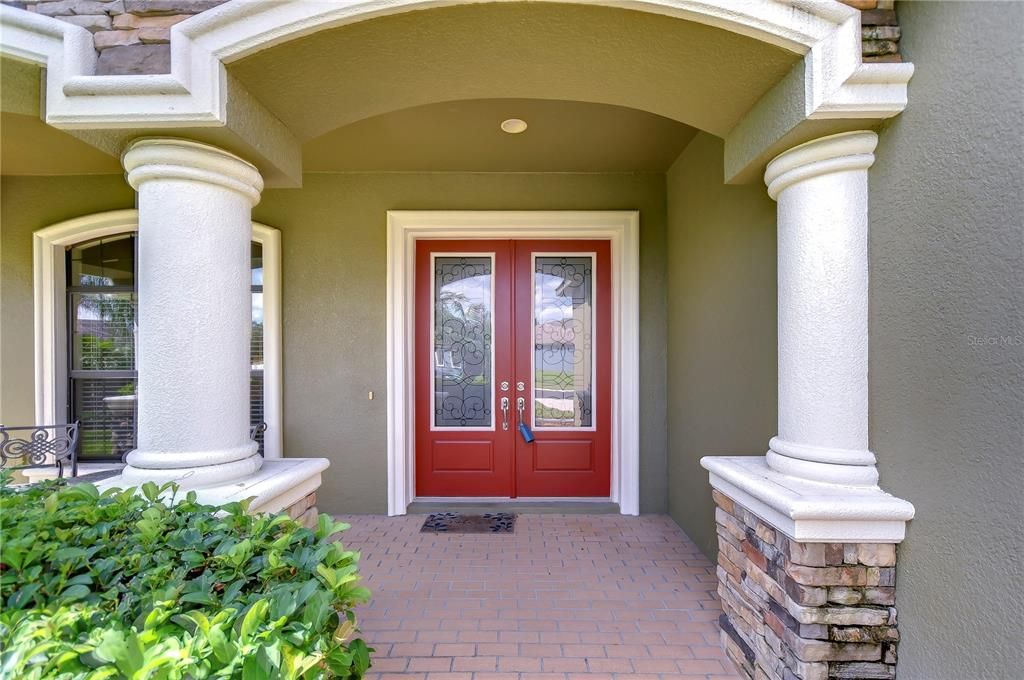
point(40, 446)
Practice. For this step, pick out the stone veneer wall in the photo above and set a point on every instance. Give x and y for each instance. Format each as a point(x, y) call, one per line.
point(804, 611)
point(304, 511)
point(133, 36)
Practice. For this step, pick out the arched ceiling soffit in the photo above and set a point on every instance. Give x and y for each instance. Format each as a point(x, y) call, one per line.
point(698, 75)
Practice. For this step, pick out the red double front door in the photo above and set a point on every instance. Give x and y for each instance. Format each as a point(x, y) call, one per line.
point(513, 343)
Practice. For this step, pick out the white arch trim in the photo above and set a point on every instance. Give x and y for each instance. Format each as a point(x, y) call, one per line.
point(832, 83)
point(50, 311)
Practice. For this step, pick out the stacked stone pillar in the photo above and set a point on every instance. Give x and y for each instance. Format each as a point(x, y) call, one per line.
point(807, 539)
point(808, 611)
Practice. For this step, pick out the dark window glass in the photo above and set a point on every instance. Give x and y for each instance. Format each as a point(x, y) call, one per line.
point(102, 307)
point(106, 409)
point(256, 343)
point(107, 262)
point(103, 335)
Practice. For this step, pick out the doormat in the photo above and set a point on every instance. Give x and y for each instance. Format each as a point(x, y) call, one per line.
point(455, 523)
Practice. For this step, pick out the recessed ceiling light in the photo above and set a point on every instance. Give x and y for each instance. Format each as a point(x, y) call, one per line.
point(513, 126)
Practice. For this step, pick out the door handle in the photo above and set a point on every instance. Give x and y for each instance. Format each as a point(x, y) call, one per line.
point(524, 428)
point(504, 413)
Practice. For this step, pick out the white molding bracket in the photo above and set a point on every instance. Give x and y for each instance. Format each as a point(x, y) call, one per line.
point(621, 228)
point(832, 82)
point(50, 314)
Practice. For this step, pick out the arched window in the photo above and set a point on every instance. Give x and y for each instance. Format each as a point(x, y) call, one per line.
point(102, 304)
point(85, 291)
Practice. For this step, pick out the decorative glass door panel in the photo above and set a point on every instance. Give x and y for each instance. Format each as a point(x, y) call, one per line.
point(512, 365)
point(463, 348)
point(563, 327)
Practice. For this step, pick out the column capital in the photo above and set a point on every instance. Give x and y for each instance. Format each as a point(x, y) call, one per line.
point(835, 153)
point(172, 158)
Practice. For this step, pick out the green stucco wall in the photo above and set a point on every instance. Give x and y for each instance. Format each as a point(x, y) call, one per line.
point(333, 242)
point(947, 285)
point(27, 204)
point(334, 316)
point(721, 328)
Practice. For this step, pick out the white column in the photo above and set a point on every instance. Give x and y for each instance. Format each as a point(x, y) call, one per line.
point(195, 226)
point(822, 193)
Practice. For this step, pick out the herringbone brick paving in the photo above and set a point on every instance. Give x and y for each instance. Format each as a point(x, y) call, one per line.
point(567, 597)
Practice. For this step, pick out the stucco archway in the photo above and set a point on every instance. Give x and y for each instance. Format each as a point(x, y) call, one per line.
point(827, 90)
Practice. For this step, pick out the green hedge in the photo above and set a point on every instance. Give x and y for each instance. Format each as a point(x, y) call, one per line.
point(132, 585)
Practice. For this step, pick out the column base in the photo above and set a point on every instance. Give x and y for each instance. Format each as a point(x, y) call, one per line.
point(821, 464)
point(810, 511)
point(198, 477)
point(806, 573)
point(279, 484)
point(803, 611)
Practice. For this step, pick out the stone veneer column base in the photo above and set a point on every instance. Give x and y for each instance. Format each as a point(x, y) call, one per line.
point(803, 611)
point(304, 511)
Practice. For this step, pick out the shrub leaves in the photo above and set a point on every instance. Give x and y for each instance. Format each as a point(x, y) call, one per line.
point(143, 585)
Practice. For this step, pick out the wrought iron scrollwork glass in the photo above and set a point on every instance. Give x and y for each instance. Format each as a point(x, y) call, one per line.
point(463, 331)
point(563, 363)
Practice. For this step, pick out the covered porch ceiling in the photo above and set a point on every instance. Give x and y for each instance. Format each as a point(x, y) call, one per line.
point(453, 136)
point(695, 74)
point(302, 85)
point(603, 90)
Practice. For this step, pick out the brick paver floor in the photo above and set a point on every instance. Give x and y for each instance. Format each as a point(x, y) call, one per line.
point(567, 597)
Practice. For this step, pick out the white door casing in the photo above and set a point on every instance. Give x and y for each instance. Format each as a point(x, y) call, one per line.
point(621, 228)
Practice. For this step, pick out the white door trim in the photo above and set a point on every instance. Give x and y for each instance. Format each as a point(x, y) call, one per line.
point(48, 246)
point(621, 228)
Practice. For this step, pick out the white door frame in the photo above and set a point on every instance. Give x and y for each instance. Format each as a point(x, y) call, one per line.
point(620, 227)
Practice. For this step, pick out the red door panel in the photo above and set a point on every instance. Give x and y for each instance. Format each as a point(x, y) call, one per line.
point(563, 356)
point(524, 321)
point(463, 328)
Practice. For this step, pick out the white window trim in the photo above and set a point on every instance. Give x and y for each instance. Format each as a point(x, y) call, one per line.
point(48, 247)
point(621, 228)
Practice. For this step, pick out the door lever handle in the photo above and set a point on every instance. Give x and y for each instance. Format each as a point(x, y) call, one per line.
point(504, 413)
point(524, 428)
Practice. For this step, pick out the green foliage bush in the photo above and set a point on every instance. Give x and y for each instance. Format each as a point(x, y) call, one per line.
point(125, 585)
